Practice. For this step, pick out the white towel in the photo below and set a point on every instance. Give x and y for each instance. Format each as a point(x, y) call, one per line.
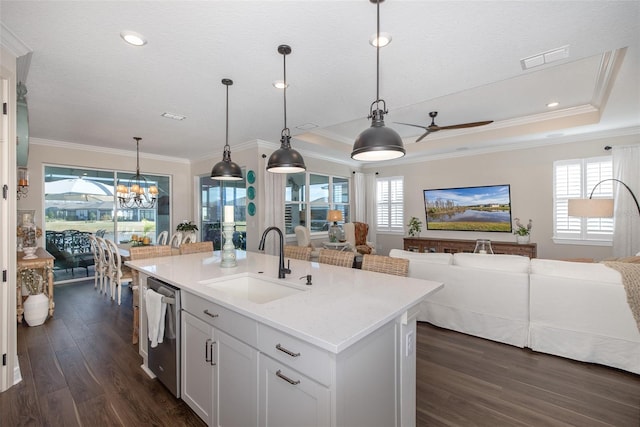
point(156, 310)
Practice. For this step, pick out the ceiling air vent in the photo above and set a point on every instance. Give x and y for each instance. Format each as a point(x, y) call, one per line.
point(545, 57)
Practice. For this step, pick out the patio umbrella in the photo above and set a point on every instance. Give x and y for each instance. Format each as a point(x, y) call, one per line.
point(78, 189)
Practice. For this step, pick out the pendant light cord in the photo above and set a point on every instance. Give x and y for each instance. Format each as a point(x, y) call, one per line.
point(137, 156)
point(284, 62)
point(378, 52)
point(226, 142)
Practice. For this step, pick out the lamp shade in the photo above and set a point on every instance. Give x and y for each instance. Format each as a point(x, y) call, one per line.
point(285, 159)
point(378, 142)
point(591, 208)
point(334, 216)
point(226, 170)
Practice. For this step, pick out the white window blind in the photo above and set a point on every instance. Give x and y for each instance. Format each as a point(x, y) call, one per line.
point(390, 204)
point(576, 179)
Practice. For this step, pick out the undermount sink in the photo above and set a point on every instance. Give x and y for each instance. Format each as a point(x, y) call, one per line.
point(253, 288)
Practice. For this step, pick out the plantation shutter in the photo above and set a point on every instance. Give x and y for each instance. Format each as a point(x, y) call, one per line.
point(390, 204)
point(575, 179)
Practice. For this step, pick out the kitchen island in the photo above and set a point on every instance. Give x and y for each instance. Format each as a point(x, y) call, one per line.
point(340, 351)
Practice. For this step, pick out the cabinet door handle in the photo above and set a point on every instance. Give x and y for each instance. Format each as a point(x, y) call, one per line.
point(206, 350)
point(289, 352)
point(210, 314)
point(213, 363)
point(286, 378)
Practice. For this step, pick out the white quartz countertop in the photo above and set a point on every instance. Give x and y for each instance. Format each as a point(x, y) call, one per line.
point(341, 307)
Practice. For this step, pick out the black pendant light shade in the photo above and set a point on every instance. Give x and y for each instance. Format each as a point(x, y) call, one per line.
point(285, 159)
point(226, 170)
point(378, 142)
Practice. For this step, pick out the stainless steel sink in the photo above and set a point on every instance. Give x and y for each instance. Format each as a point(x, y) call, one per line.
point(254, 288)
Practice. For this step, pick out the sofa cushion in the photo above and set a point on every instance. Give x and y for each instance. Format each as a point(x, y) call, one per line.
point(511, 263)
point(575, 270)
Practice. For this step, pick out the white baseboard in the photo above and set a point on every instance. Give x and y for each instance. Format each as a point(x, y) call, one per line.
point(17, 376)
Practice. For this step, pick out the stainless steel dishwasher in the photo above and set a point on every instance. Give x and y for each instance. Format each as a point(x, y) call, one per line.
point(164, 359)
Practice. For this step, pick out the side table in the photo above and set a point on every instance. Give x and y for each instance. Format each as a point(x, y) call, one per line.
point(338, 246)
point(44, 263)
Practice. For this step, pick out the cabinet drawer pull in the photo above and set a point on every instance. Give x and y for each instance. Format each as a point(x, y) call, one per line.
point(284, 350)
point(286, 378)
point(210, 314)
point(206, 351)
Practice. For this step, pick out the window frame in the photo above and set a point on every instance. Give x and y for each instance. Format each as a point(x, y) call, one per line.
point(579, 183)
point(390, 224)
point(305, 205)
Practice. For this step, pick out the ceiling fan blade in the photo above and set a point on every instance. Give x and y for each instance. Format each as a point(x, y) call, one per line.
point(423, 135)
point(409, 124)
point(466, 125)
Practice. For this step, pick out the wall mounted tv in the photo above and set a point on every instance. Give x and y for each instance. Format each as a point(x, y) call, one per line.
point(485, 208)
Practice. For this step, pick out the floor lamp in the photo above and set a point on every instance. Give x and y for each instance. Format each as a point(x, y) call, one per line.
point(597, 208)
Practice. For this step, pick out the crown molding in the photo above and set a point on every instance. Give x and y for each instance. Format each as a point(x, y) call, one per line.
point(12, 43)
point(105, 150)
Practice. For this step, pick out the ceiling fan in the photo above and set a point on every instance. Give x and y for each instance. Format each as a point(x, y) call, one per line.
point(433, 127)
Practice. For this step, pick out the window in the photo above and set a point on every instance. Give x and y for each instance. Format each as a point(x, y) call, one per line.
point(214, 195)
point(309, 197)
point(83, 199)
point(390, 204)
point(576, 179)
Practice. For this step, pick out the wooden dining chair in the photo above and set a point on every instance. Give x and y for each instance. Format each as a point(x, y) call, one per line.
point(142, 252)
point(163, 237)
point(175, 240)
point(298, 252)
point(339, 258)
point(93, 243)
point(118, 273)
point(192, 248)
point(386, 264)
point(102, 266)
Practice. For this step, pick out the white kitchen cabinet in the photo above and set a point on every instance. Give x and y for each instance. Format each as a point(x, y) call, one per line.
point(197, 371)
point(288, 398)
point(219, 372)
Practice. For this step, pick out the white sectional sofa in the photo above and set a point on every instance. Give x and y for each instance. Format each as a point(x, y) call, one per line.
point(571, 309)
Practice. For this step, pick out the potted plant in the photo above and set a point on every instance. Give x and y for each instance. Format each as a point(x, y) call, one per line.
point(522, 232)
point(36, 306)
point(415, 226)
point(187, 226)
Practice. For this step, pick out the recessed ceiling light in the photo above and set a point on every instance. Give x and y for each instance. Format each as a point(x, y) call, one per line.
point(553, 104)
point(133, 38)
point(385, 39)
point(173, 116)
point(279, 84)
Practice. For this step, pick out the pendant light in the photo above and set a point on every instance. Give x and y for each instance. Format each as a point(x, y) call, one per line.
point(226, 170)
point(378, 142)
point(139, 194)
point(285, 159)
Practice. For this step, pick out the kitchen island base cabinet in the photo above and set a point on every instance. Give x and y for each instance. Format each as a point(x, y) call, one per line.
point(253, 374)
point(219, 375)
point(288, 398)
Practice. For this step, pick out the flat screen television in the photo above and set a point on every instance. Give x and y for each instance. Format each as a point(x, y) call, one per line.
point(485, 208)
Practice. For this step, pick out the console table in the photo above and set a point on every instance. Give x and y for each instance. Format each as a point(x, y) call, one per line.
point(428, 244)
point(44, 263)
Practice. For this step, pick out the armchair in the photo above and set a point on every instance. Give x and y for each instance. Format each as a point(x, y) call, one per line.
point(356, 234)
point(303, 236)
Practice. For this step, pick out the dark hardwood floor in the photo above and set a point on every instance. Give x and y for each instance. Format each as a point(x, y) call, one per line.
point(80, 368)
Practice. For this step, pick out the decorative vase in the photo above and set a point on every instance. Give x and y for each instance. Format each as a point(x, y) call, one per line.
point(36, 309)
point(522, 239)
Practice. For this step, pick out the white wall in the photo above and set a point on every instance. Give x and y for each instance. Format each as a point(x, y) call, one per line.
point(530, 174)
point(47, 152)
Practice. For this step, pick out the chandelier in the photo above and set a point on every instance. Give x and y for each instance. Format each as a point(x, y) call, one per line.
point(139, 194)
